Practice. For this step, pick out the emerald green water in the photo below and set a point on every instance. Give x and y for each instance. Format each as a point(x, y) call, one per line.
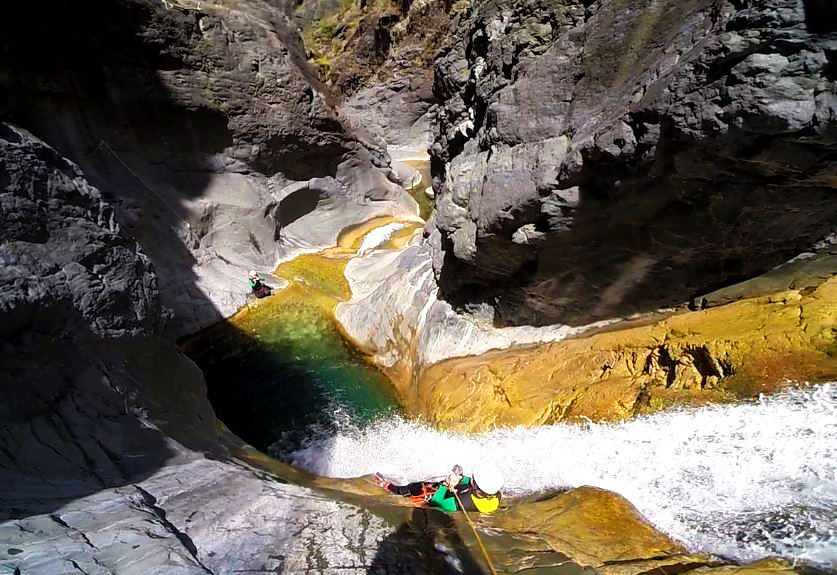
point(282, 373)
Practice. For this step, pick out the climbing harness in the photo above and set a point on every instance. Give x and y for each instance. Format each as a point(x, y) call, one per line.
point(420, 500)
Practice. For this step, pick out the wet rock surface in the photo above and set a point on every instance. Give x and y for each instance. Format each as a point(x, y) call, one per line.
point(582, 523)
point(738, 350)
point(600, 159)
point(395, 315)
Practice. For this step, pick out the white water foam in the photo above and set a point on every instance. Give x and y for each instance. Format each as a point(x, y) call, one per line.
point(742, 481)
point(378, 237)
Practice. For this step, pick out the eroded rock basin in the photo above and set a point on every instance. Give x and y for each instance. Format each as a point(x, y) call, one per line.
point(742, 481)
point(280, 371)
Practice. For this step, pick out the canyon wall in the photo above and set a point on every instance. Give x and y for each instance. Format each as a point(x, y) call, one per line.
point(597, 162)
point(600, 159)
point(205, 126)
point(166, 147)
point(197, 129)
point(111, 460)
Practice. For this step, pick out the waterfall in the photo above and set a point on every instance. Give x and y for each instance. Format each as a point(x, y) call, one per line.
point(741, 481)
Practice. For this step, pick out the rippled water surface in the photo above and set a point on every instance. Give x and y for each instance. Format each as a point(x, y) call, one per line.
point(742, 481)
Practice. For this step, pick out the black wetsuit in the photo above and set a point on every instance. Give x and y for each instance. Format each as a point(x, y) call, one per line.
point(438, 495)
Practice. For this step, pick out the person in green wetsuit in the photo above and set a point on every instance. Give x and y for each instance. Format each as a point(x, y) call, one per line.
point(256, 285)
point(479, 493)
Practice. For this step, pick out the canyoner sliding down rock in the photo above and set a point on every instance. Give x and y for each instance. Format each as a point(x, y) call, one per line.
point(450, 286)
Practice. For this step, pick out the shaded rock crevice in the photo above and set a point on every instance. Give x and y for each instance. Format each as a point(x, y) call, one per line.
point(694, 366)
point(151, 503)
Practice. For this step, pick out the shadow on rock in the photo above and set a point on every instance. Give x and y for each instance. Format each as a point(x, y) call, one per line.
point(712, 175)
point(102, 102)
point(283, 378)
point(71, 424)
point(95, 394)
point(173, 113)
point(428, 543)
point(820, 16)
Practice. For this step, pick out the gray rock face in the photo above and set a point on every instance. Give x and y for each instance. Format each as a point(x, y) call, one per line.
point(110, 459)
point(88, 272)
point(383, 65)
point(197, 517)
point(399, 113)
point(192, 118)
point(601, 159)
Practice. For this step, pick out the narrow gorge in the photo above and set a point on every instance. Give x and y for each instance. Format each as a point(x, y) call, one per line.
point(591, 241)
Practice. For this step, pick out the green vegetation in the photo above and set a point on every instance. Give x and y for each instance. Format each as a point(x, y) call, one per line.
point(324, 38)
point(328, 37)
point(324, 64)
point(326, 28)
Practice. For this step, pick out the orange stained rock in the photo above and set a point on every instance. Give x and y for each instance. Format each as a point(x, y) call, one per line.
point(596, 528)
point(740, 349)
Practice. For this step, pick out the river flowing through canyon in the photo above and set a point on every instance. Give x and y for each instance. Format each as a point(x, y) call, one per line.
point(593, 242)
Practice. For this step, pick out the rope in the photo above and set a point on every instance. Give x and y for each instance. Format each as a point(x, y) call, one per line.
point(477, 535)
point(103, 144)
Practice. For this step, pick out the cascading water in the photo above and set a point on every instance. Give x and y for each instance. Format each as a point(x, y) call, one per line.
point(741, 481)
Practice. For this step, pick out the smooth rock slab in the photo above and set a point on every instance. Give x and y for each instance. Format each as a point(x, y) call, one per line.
point(396, 315)
point(200, 517)
point(744, 348)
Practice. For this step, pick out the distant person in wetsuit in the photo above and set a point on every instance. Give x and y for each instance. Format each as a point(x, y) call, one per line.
point(256, 285)
point(479, 493)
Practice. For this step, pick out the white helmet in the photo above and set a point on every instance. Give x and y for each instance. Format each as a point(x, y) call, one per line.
point(253, 273)
point(488, 477)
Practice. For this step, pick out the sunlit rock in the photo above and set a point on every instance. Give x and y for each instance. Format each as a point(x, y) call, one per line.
point(740, 349)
